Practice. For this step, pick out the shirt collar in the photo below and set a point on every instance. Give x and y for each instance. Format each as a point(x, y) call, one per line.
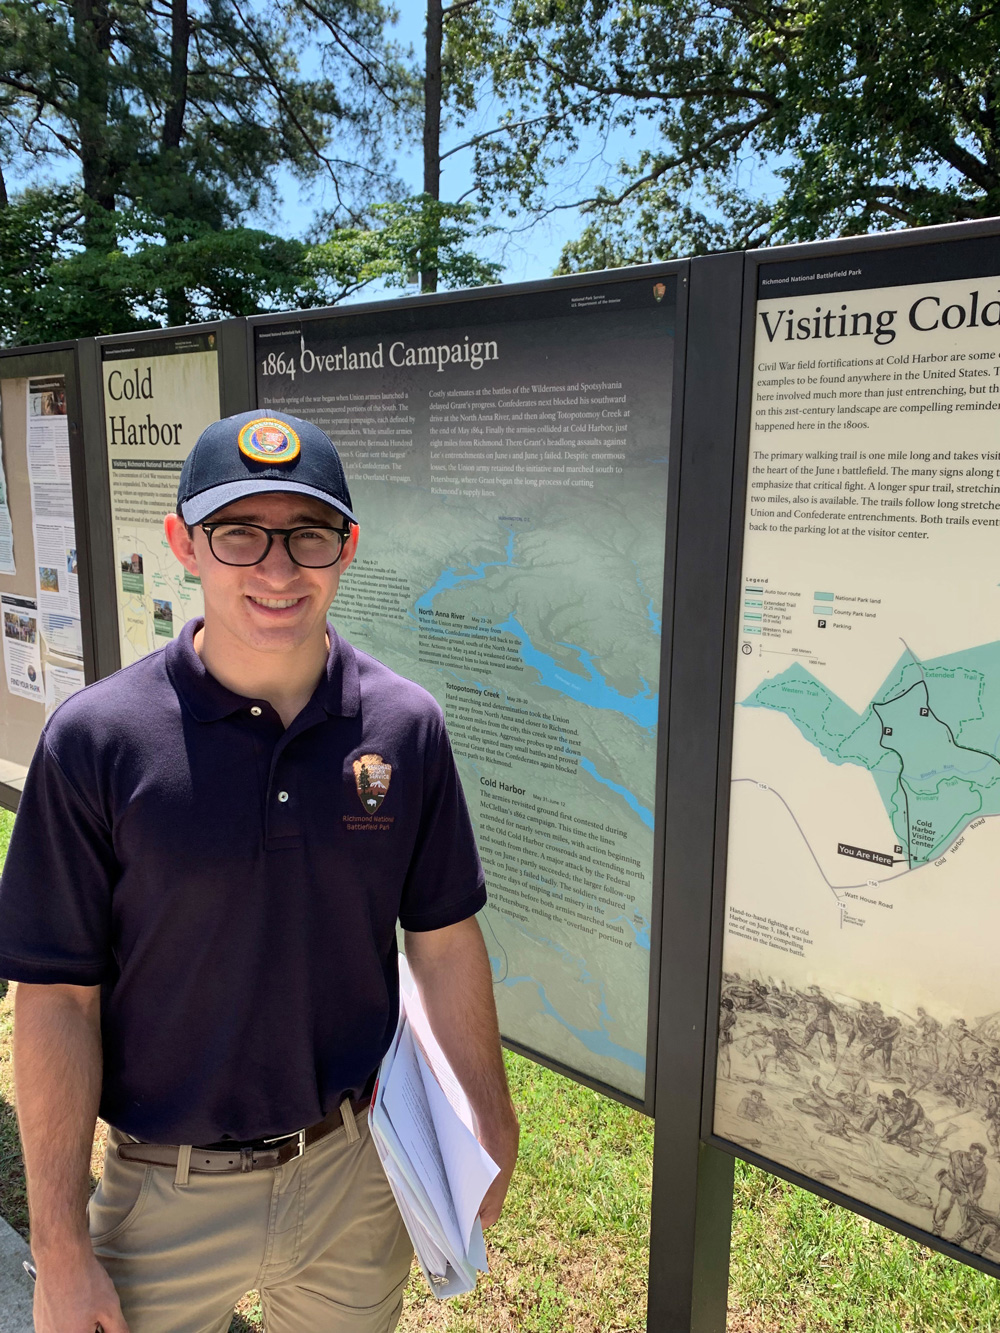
point(207, 700)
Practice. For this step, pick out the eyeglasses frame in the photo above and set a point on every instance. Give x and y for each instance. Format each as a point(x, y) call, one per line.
point(286, 534)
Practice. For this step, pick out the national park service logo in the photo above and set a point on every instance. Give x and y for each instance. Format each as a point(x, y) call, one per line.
point(371, 777)
point(268, 440)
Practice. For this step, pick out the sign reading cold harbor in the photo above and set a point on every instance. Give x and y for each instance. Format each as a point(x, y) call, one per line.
point(860, 1020)
point(508, 463)
point(159, 395)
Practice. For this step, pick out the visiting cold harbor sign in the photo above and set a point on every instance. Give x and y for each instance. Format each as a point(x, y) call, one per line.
point(858, 1039)
point(508, 458)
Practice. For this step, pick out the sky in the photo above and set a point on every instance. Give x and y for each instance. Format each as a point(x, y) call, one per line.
point(528, 248)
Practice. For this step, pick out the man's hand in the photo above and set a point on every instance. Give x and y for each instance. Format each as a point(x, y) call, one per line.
point(73, 1294)
point(57, 1076)
point(452, 972)
point(501, 1144)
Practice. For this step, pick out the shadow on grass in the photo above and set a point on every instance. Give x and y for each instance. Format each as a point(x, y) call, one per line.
point(13, 1193)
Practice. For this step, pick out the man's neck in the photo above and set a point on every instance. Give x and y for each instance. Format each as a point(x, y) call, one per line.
point(286, 680)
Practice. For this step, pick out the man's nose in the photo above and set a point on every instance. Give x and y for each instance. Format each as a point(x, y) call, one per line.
point(278, 565)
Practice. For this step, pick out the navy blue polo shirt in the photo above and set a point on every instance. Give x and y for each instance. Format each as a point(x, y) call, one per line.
point(235, 886)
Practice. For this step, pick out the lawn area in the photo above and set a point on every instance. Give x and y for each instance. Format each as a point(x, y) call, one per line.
point(571, 1250)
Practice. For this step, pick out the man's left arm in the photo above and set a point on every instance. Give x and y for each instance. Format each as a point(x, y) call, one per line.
point(452, 971)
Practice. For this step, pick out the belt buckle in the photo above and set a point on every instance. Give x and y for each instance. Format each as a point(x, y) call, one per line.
point(300, 1138)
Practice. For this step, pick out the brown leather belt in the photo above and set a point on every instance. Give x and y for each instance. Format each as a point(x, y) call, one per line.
point(257, 1155)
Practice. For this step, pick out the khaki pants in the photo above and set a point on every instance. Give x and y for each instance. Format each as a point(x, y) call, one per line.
point(320, 1237)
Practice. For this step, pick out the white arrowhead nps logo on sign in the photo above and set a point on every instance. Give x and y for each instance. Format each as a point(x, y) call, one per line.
point(371, 777)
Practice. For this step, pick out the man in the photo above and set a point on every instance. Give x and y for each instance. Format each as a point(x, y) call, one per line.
point(929, 1030)
point(754, 1107)
point(956, 1034)
point(829, 1111)
point(200, 909)
point(992, 1115)
point(727, 1021)
point(882, 1114)
point(821, 1021)
point(881, 1036)
point(962, 1181)
point(963, 1079)
point(781, 1052)
point(912, 1123)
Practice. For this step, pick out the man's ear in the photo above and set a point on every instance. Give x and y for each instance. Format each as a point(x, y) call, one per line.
point(180, 542)
point(350, 547)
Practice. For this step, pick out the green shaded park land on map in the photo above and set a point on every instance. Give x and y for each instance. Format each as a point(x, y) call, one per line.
point(929, 737)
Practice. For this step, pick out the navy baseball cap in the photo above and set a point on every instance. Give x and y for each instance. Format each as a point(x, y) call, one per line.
point(253, 452)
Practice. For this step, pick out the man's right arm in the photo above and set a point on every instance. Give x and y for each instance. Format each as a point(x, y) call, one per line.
point(57, 1079)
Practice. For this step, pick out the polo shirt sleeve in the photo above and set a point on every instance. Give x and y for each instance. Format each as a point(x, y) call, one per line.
point(445, 882)
point(55, 892)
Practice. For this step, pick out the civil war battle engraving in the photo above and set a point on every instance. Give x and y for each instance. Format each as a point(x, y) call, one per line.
point(899, 1110)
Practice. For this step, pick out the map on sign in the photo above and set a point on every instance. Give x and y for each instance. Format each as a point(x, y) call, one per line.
point(859, 1034)
point(511, 561)
point(928, 738)
point(156, 595)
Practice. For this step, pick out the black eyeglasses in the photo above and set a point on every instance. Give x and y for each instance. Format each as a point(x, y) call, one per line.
point(248, 543)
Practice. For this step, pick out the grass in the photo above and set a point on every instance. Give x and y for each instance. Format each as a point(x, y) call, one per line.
point(571, 1251)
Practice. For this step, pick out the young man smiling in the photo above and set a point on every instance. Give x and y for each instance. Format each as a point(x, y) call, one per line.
point(199, 905)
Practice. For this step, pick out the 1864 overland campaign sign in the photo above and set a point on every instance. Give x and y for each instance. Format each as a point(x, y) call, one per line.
point(859, 1037)
point(508, 462)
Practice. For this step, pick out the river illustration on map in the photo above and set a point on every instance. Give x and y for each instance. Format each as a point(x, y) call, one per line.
point(899, 1110)
point(575, 678)
point(930, 738)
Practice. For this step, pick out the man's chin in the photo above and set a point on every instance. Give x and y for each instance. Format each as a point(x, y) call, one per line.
point(274, 635)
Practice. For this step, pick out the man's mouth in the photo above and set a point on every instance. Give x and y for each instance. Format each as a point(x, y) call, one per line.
point(276, 603)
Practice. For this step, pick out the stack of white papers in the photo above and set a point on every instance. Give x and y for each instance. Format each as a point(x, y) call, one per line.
point(423, 1128)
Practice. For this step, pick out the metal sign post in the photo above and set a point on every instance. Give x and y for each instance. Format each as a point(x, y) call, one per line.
point(692, 1183)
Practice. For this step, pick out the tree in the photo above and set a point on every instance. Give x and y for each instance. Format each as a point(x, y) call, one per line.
point(762, 122)
point(51, 284)
point(175, 116)
point(446, 77)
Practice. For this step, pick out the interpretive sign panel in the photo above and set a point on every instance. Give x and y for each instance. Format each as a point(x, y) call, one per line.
point(508, 459)
point(41, 629)
point(859, 1035)
point(159, 395)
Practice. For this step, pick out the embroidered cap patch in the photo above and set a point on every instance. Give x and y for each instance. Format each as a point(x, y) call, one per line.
point(371, 777)
point(267, 440)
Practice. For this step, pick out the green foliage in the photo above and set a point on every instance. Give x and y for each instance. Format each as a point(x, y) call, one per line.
point(53, 286)
point(392, 250)
point(187, 110)
point(873, 114)
point(175, 120)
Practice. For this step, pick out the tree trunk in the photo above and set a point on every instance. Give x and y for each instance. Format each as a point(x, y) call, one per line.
point(4, 200)
point(432, 132)
point(180, 35)
point(93, 48)
point(173, 133)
